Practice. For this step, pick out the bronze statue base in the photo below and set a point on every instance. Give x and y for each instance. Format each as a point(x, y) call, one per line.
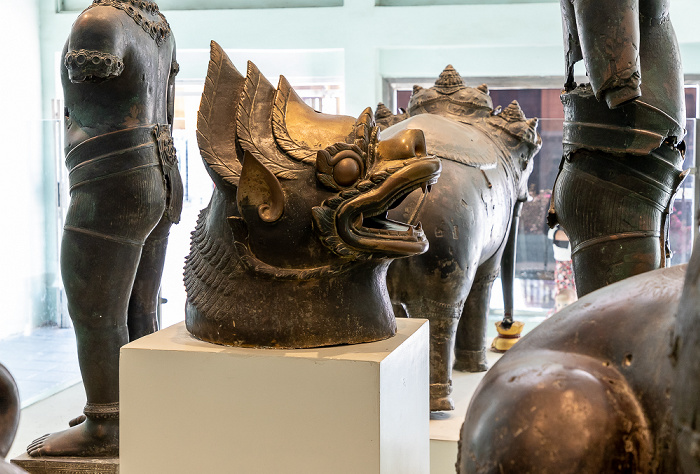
point(61, 465)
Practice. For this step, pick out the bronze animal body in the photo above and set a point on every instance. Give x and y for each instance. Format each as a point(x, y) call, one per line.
point(623, 137)
point(118, 74)
point(587, 391)
point(470, 218)
point(292, 250)
point(685, 359)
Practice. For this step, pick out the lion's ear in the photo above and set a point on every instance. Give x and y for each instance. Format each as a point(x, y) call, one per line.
point(259, 188)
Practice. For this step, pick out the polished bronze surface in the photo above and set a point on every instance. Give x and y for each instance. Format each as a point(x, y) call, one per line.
point(9, 412)
point(685, 359)
point(470, 218)
point(292, 250)
point(623, 137)
point(118, 74)
point(587, 391)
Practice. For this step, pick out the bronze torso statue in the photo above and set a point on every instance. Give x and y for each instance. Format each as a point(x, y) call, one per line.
point(293, 248)
point(118, 79)
point(623, 133)
point(470, 218)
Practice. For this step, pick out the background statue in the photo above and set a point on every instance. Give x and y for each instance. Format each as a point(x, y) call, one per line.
point(293, 248)
point(118, 74)
point(623, 133)
point(9, 418)
point(593, 389)
point(470, 218)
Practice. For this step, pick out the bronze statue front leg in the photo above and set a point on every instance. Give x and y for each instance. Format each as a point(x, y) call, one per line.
point(443, 319)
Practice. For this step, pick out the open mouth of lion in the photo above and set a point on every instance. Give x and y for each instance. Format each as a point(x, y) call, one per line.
point(363, 222)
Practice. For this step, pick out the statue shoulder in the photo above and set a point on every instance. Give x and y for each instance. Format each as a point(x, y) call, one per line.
point(96, 46)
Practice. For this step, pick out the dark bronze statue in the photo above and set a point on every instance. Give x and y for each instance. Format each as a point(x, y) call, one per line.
point(470, 218)
point(118, 74)
point(587, 391)
point(623, 132)
point(685, 359)
point(292, 250)
point(9, 418)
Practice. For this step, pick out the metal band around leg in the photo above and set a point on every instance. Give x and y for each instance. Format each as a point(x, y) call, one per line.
point(102, 410)
point(618, 236)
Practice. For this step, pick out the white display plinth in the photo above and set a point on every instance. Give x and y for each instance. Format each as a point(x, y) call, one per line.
point(446, 426)
point(188, 406)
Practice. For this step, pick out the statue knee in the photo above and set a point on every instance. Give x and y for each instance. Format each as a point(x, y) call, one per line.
point(573, 415)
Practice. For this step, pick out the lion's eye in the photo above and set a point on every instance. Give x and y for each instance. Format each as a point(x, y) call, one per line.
point(346, 171)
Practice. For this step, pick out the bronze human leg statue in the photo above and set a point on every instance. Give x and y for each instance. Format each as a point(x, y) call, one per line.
point(107, 227)
point(623, 133)
point(615, 210)
point(143, 305)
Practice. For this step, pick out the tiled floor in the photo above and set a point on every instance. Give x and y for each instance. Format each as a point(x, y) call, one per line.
point(42, 363)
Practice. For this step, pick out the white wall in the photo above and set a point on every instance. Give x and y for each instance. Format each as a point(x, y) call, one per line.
point(22, 274)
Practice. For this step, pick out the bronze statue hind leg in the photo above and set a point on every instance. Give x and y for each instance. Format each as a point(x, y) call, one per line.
point(552, 413)
point(470, 341)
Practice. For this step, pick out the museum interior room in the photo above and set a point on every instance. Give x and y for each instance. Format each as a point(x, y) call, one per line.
point(341, 57)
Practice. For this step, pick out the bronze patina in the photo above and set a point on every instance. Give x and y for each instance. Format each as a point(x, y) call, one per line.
point(608, 384)
point(118, 74)
point(623, 133)
point(584, 392)
point(292, 250)
point(9, 419)
point(470, 218)
point(9, 410)
point(685, 359)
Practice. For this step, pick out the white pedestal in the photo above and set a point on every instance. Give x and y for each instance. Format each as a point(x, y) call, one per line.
point(446, 426)
point(188, 406)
